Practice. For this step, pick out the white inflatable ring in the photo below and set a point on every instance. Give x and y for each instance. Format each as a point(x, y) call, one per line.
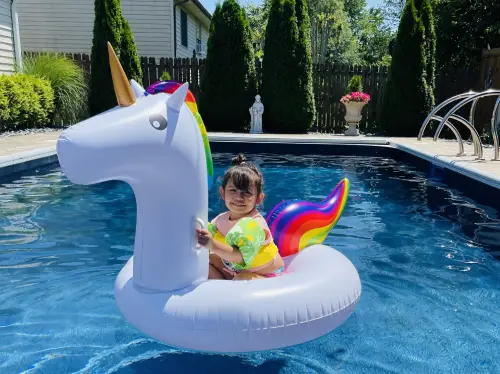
point(319, 292)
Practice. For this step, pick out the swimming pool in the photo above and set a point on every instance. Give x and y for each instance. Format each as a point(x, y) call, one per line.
point(424, 253)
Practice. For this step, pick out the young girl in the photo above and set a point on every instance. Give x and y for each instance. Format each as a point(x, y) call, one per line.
point(240, 243)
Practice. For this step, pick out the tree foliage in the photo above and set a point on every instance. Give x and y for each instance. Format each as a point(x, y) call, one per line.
point(107, 28)
point(342, 31)
point(407, 97)
point(287, 69)
point(464, 28)
point(110, 26)
point(128, 54)
point(425, 9)
point(257, 17)
point(229, 83)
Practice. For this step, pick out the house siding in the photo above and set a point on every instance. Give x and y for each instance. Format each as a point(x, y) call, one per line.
point(192, 24)
point(67, 26)
point(6, 41)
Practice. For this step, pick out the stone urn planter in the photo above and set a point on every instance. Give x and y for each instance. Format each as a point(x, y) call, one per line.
point(353, 117)
point(354, 104)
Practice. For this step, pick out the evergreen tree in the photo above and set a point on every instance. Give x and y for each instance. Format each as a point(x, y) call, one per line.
point(128, 54)
point(229, 83)
point(406, 100)
point(305, 99)
point(426, 15)
point(107, 28)
point(287, 69)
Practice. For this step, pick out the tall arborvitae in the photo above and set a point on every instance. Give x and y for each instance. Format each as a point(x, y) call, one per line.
point(128, 54)
point(107, 28)
point(426, 15)
point(306, 108)
point(406, 96)
point(229, 83)
point(287, 70)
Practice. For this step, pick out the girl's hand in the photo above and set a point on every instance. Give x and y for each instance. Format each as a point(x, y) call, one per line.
point(204, 238)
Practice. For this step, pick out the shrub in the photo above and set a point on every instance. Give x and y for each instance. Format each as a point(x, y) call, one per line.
point(427, 17)
point(25, 101)
point(287, 69)
point(229, 83)
point(128, 55)
point(406, 100)
point(107, 28)
point(165, 76)
point(68, 81)
point(305, 104)
point(355, 84)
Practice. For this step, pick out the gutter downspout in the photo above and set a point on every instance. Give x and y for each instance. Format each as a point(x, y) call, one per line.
point(15, 32)
point(175, 25)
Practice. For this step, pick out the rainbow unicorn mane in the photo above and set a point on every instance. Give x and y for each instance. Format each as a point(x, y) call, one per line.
point(170, 87)
point(297, 224)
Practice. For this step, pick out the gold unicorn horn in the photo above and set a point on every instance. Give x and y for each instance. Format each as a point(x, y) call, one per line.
point(124, 94)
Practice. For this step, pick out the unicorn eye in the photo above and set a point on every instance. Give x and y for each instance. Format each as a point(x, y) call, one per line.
point(158, 122)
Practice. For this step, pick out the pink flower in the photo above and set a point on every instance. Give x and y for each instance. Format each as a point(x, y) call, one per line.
point(355, 97)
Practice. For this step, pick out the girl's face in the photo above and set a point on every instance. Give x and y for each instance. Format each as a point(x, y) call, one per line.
point(239, 202)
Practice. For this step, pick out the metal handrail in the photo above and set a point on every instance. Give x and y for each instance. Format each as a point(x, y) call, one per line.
point(476, 139)
point(439, 107)
point(494, 126)
point(461, 151)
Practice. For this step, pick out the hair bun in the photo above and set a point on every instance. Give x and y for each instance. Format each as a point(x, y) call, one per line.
point(238, 160)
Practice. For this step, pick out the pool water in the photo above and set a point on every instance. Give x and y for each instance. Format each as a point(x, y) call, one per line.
point(425, 254)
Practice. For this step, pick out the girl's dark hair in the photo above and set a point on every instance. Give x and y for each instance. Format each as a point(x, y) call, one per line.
point(242, 173)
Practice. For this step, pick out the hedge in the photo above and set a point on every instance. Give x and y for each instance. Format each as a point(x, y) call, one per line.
point(25, 101)
point(229, 83)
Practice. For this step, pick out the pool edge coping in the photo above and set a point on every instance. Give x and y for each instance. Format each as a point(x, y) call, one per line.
point(38, 157)
point(21, 161)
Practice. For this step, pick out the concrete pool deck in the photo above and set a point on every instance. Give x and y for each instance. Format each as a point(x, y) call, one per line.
point(22, 152)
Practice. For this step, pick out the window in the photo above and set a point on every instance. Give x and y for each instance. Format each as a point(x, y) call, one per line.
point(184, 28)
point(198, 39)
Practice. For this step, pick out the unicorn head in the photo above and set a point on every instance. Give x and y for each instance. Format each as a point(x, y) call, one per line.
point(155, 144)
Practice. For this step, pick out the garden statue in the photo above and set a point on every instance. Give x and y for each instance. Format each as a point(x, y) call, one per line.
point(256, 112)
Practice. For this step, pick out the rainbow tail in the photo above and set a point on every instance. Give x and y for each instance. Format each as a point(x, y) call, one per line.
point(297, 224)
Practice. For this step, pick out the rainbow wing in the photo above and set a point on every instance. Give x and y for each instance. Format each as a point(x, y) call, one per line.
point(297, 224)
point(170, 87)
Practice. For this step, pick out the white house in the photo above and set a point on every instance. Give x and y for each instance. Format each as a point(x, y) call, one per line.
point(67, 26)
point(9, 36)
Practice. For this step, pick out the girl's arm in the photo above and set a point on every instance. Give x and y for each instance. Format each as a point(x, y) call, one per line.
point(226, 252)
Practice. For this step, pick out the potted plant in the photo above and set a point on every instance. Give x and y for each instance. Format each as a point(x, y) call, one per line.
point(354, 103)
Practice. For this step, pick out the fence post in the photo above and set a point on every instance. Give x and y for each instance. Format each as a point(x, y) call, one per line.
point(145, 71)
point(195, 83)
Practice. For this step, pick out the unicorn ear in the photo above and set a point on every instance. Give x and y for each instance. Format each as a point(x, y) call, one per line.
point(137, 89)
point(175, 101)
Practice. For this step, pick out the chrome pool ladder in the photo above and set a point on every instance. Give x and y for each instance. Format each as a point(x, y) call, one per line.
point(466, 98)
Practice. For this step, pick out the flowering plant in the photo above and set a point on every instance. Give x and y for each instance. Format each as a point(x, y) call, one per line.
point(356, 97)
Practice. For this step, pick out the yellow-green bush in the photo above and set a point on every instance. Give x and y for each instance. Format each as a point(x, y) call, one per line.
point(25, 101)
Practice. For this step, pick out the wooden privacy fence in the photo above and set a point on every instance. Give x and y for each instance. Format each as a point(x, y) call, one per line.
point(329, 85)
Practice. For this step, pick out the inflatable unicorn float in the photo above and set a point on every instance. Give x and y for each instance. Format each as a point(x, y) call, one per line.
point(155, 141)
